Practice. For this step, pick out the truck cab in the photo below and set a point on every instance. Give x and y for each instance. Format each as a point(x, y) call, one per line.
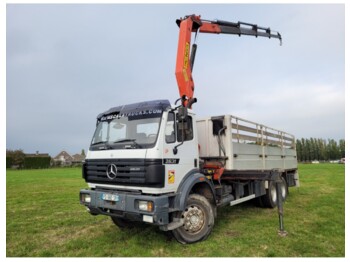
point(133, 148)
point(138, 159)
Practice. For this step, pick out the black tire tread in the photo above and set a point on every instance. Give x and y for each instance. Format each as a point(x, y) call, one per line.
point(184, 238)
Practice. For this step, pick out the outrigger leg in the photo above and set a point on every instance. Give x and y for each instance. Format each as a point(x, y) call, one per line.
point(281, 231)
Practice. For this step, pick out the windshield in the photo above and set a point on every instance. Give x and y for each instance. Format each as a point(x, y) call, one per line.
point(120, 132)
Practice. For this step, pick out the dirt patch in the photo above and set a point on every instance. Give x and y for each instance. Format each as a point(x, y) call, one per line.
point(232, 234)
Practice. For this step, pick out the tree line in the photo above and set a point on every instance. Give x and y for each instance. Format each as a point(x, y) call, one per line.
point(18, 159)
point(310, 149)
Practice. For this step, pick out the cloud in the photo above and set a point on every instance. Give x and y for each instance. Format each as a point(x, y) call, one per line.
point(67, 63)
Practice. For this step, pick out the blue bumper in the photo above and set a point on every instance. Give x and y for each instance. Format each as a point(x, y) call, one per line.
point(125, 205)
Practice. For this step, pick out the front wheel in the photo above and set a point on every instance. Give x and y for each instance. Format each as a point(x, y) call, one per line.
point(123, 223)
point(198, 218)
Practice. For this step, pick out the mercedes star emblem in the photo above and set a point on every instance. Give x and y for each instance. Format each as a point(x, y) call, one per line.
point(112, 171)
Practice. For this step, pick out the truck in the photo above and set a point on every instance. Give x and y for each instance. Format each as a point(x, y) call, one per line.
point(154, 162)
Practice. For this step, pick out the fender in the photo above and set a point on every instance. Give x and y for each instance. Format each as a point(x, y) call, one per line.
point(192, 178)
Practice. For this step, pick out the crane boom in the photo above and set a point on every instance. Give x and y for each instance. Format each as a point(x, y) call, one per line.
point(186, 54)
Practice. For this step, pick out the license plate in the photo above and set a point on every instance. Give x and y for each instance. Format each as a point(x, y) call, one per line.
point(110, 197)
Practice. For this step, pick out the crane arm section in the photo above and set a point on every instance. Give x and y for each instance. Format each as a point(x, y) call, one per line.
point(186, 53)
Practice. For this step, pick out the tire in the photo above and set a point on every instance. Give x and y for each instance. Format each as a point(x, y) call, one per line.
point(285, 190)
point(198, 220)
point(123, 223)
point(270, 199)
point(259, 202)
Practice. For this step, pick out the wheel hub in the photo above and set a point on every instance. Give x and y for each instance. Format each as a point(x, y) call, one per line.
point(193, 219)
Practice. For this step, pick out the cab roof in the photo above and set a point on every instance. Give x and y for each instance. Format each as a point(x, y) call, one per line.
point(137, 107)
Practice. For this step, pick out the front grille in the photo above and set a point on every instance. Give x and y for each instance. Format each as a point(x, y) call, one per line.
point(139, 172)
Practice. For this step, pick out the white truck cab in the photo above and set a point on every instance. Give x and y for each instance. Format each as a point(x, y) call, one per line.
point(133, 149)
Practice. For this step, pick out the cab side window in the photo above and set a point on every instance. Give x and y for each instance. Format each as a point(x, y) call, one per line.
point(185, 129)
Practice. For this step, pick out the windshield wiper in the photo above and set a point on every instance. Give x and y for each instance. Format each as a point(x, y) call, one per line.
point(133, 140)
point(100, 142)
point(105, 147)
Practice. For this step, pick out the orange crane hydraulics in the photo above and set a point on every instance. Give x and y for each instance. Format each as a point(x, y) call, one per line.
point(186, 54)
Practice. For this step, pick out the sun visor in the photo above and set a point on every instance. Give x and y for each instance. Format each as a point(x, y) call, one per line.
point(135, 111)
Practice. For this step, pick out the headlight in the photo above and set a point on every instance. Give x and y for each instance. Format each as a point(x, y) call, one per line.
point(85, 198)
point(145, 205)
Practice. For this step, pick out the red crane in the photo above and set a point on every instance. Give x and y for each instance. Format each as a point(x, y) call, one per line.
point(186, 54)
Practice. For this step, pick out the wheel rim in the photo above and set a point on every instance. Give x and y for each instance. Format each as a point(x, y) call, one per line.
point(273, 193)
point(193, 219)
point(283, 190)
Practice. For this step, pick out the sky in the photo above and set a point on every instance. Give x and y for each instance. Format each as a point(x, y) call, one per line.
point(65, 64)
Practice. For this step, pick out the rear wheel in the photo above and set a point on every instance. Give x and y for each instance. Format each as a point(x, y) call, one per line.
point(284, 188)
point(270, 199)
point(198, 218)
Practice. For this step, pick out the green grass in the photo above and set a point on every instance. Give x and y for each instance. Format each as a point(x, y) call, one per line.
point(44, 219)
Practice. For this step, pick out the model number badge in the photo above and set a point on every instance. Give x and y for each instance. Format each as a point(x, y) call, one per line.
point(171, 161)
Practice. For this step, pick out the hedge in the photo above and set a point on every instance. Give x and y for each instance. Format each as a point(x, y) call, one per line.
point(36, 162)
point(9, 162)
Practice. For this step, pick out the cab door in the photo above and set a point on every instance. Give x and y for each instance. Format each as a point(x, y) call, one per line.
point(180, 149)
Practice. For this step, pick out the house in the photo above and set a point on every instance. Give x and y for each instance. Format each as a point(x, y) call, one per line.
point(78, 159)
point(63, 159)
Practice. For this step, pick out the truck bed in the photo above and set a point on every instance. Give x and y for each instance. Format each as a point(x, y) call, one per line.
point(245, 145)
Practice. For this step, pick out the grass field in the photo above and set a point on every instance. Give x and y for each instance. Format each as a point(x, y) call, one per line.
point(44, 219)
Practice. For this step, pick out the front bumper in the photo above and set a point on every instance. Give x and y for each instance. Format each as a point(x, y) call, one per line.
point(127, 206)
